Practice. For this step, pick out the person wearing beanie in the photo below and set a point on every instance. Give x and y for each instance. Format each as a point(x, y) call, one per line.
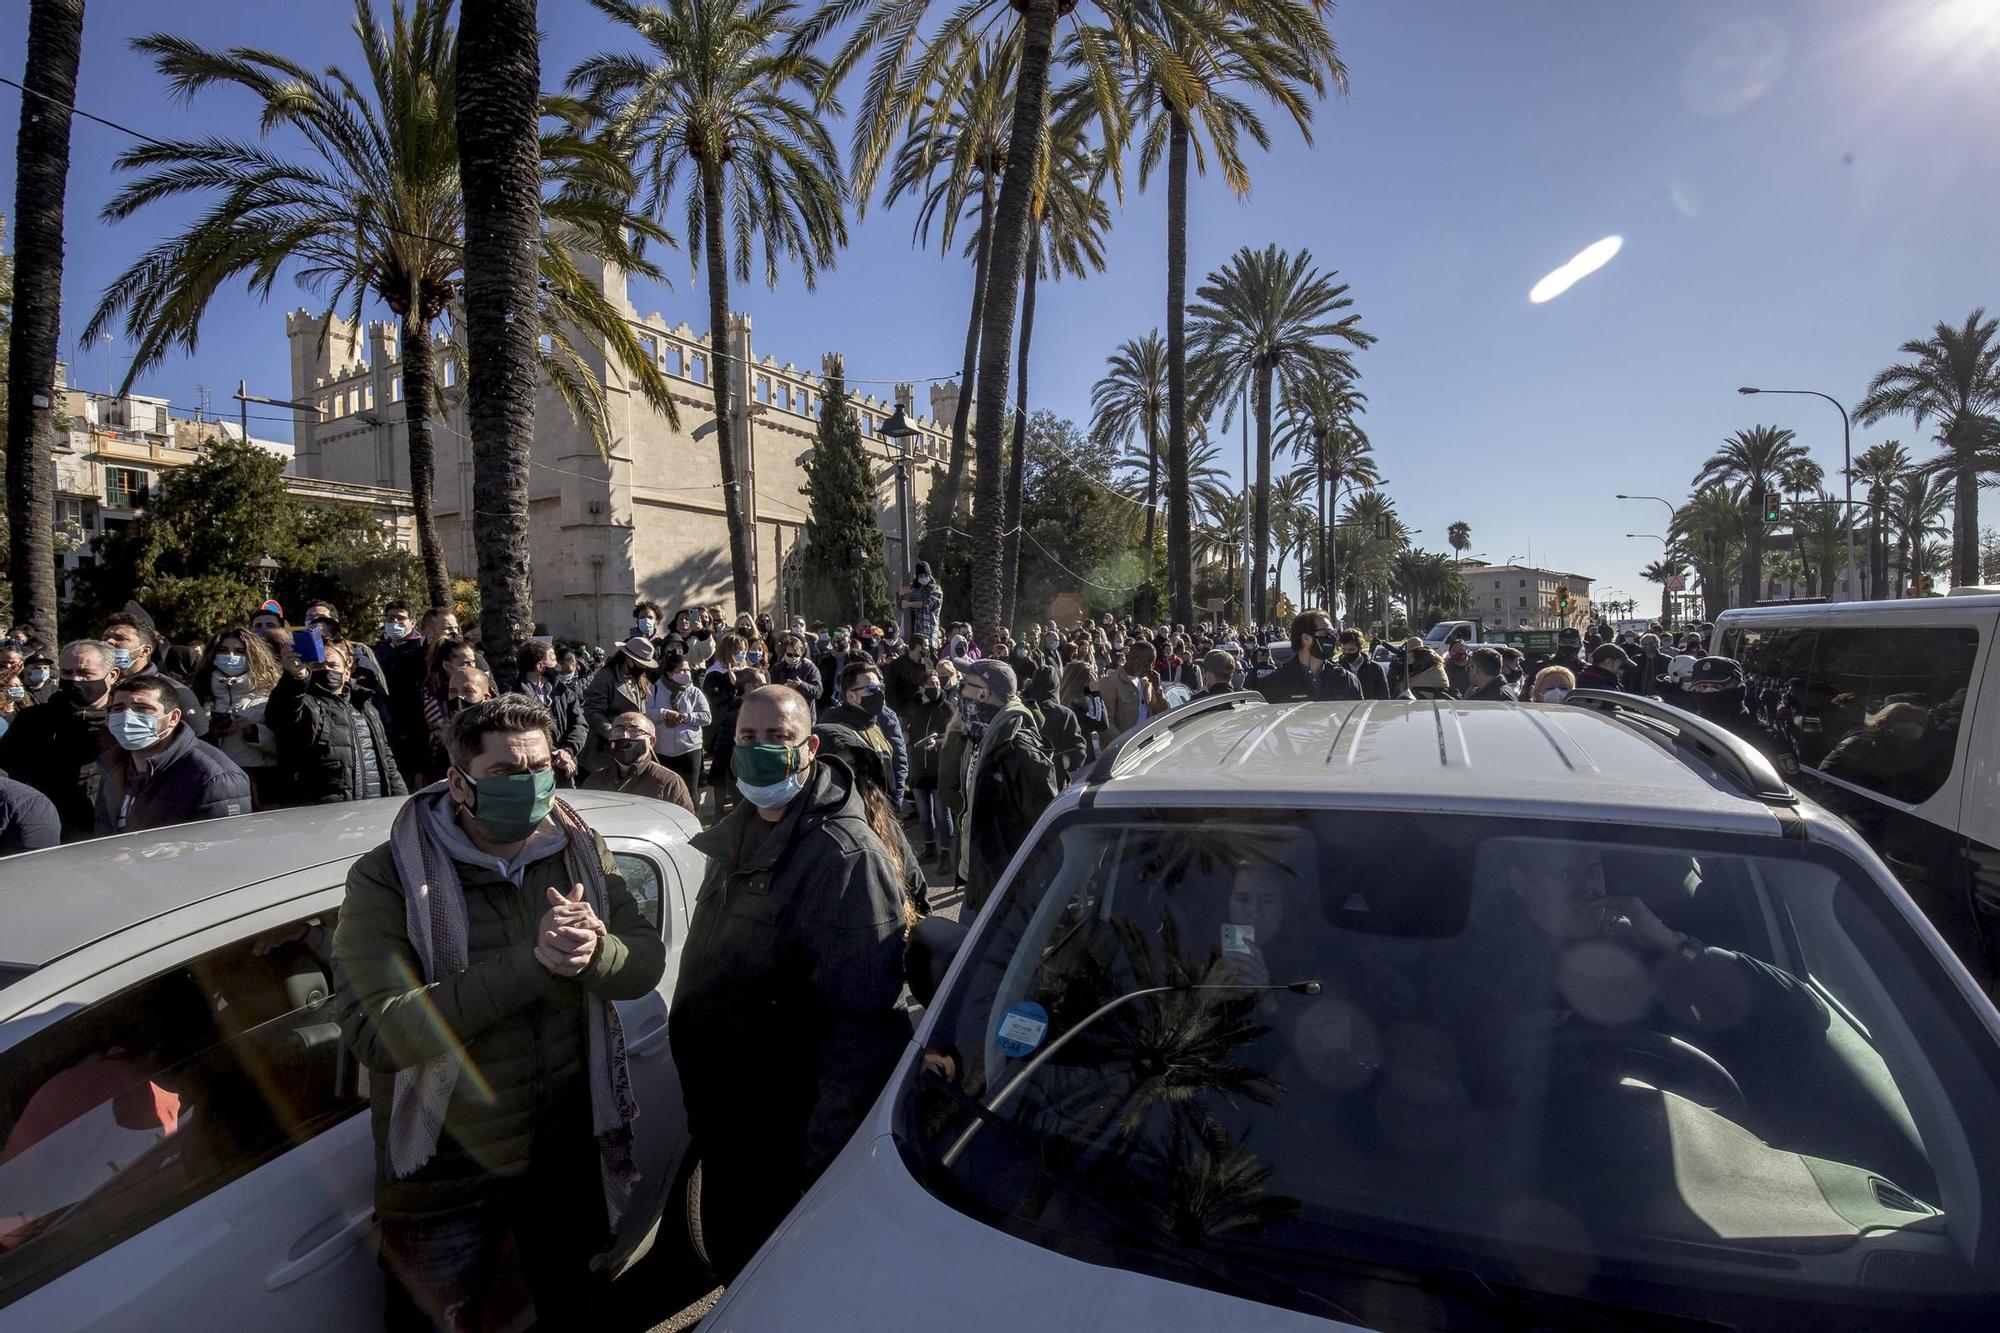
point(1009, 777)
point(921, 603)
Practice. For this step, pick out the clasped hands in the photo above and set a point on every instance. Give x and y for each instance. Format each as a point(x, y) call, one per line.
point(566, 939)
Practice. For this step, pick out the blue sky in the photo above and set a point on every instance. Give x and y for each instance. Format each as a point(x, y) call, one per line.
point(1800, 185)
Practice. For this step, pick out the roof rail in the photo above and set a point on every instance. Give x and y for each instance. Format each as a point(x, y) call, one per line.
point(1161, 724)
point(1737, 759)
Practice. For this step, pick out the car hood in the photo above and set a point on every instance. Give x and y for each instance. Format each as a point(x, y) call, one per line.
point(870, 1248)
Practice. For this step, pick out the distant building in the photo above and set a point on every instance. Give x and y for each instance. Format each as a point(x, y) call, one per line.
point(115, 449)
point(1524, 596)
point(648, 520)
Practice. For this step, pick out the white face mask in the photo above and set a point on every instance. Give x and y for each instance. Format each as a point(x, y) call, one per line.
point(1555, 695)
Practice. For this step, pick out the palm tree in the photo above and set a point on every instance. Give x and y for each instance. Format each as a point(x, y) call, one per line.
point(722, 113)
point(952, 160)
point(1757, 457)
point(1879, 468)
point(1188, 62)
point(908, 67)
point(500, 166)
point(1067, 222)
point(1819, 531)
point(1129, 404)
point(372, 210)
point(1317, 423)
point(1459, 536)
point(1712, 527)
point(1663, 572)
point(1366, 541)
point(41, 180)
point(1952, 378)
point(1292, 521)
point(1916, 513)
point(1269, 321)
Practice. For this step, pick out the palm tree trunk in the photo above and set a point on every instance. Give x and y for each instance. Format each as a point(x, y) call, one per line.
point(996, 336)
point(944, 499)
point(1965, 528)
point(1180, 509)
point(41, 179)
point(1260, 530)
point(1325, 580)
point(1152, 489)
point(1017, 464)
point(1750, 585)
point(500, 165)
point(419, 396)
point(715, 251)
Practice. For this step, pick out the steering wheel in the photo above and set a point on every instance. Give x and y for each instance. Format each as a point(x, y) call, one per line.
point(1719, 1091)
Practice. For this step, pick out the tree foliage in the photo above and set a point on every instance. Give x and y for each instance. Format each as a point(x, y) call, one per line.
point(191, 557)
point(840, 497)
point(1081, 543)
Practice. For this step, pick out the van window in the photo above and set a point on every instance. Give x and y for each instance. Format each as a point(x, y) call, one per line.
point(1881, 706)
point(124, 1113)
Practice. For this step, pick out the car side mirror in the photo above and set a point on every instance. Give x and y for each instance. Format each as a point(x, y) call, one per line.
point(927, 954)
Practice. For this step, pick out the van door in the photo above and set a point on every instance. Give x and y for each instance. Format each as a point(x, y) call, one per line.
point(1979, 818)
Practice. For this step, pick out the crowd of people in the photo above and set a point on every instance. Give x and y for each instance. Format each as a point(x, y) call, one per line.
point(846, 776)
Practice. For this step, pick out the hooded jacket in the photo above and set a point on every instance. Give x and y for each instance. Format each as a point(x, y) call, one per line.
point(1009, 781)
point(785, 1017)
point(188, 779)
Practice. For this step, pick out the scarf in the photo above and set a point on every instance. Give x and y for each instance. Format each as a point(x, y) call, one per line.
point(436, 920)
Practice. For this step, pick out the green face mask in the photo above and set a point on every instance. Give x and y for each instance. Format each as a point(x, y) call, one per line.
point(510, 806)
point(762, 765)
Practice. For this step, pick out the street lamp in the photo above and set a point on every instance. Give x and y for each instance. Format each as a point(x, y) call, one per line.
point(1846, 468)
point(1665, 545)
point(857, 554)
point(899, 429)
point(267, 570)
point(1671, 511)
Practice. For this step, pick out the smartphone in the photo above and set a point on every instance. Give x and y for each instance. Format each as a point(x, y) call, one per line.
point(1238, 939)
point(308, 645)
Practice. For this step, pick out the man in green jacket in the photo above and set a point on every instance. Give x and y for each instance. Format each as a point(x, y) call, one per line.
point(476, 961)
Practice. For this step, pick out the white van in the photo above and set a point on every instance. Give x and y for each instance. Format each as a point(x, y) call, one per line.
point(1894, 708)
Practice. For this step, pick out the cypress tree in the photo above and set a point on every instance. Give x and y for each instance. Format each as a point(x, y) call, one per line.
point(841, 502)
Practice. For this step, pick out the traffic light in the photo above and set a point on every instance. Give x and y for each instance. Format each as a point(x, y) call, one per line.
point(1562, 602)
point(1771, 510)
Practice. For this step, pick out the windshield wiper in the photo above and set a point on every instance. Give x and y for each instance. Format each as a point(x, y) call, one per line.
point(1155, 1240)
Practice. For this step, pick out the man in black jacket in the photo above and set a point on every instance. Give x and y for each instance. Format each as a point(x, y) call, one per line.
point(1009, 777)
point(54, 747)
point(1368, 673)
point(1484, 671)
point(541, 680)
point(1218, 669)
point(1062, 733)
point(161, 773)
point(785, 1011)
point(1312, 673)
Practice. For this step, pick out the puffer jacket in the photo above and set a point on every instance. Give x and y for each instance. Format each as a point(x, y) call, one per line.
point(320, 736)
point(188, 779)
point(521, 1026)
point(785, 1011)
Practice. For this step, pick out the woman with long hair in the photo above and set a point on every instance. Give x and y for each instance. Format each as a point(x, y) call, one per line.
point(1078, 693)
point(865, 763)
point(234, 677)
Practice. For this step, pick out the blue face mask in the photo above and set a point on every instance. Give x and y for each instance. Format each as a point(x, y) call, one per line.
point(17, 691)
point(231, 664)
point(134, 731)
point(121, 658)
point(645, 626)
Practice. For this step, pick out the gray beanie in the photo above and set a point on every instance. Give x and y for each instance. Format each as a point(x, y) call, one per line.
point(995, 676)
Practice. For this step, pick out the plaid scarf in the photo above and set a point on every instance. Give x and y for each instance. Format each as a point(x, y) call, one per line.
point(436, 920)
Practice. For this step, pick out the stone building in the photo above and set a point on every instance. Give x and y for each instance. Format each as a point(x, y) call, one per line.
point(647, 521)
point(1524, 596)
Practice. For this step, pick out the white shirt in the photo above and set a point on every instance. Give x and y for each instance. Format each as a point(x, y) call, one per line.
point(683, 737)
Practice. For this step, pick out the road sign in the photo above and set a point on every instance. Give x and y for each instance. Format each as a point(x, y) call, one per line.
point(1677, 584)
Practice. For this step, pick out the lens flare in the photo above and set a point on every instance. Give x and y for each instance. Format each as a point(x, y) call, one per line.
point(1587, 261)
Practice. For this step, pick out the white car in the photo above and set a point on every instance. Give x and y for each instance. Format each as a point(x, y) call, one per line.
point(1422, 1015)
point(184, 1137)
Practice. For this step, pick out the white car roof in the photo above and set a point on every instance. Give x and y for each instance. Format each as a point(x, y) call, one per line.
point(1552, 760)
point(56, 901)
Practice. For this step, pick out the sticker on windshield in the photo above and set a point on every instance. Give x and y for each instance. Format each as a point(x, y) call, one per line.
point(1238, 938)
point(1022, 1029)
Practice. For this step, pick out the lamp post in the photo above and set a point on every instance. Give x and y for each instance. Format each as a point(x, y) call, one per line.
point(1846, 468)
point(899, 429)
point(267, 570)
point(858, 554)
point(1671, 511)
point(1665, 545)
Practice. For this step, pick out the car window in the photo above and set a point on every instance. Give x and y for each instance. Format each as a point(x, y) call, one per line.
point(117, 1116)
point(1881, 707)
point(642, 878)
point(1275, 1052)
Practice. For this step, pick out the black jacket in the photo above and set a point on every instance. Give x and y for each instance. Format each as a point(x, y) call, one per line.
point(802, 676)
point(403, 665)
point(1596, 678)
point(566, 707)
point(28, 819)
point(54, 747)
point(319, 736)
point(1369, 674)
point(923, 729)
point(1290, 683)
point(785, 1009)
point(1494, 690)
point(188, 779)
point(1062, 735)
point(1011, 782)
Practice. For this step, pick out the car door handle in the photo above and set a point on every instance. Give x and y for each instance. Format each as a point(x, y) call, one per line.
point(647, 1040)
point(319, 1256)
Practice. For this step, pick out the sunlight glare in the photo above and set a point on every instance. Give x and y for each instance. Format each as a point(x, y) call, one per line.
point(1587, 261)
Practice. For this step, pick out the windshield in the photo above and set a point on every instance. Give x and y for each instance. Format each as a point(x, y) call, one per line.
point(1308, 1055)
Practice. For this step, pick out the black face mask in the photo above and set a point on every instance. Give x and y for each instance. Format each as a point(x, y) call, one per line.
point(932, 694)
point(873, 703)
point(85, 693)
point(628, 753)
